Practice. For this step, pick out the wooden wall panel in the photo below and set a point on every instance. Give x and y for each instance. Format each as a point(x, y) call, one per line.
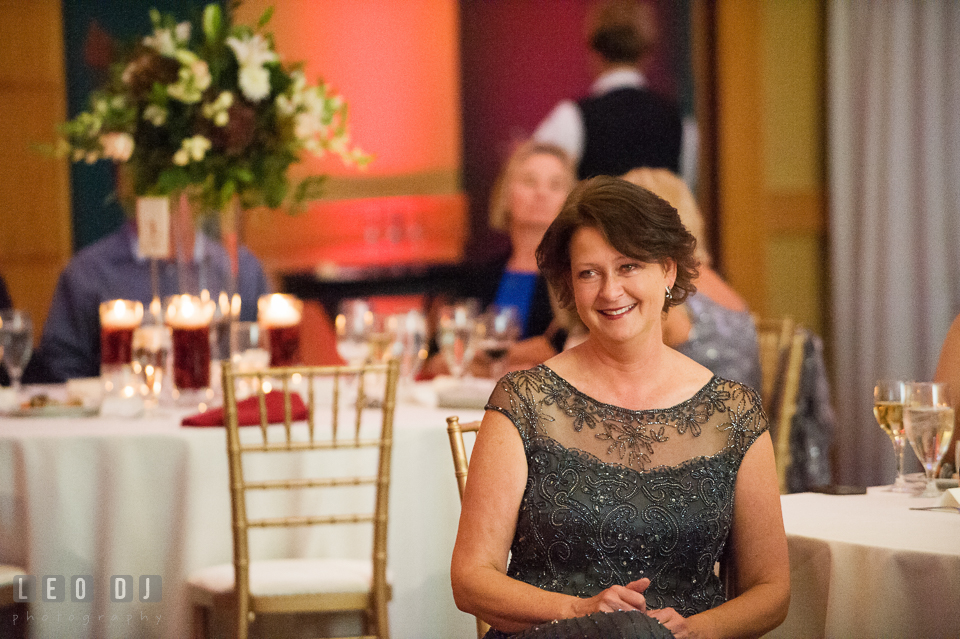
point(34, 189)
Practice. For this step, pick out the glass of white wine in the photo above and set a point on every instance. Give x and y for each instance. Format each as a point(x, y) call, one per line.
point(888, 410)
point(928, 423)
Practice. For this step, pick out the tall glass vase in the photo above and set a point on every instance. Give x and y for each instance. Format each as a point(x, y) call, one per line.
point(228, 303)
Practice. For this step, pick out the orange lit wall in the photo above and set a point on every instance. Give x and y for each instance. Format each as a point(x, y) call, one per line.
point(397, 65)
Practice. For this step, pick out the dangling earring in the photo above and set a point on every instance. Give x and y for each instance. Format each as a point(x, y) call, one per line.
point(669, 294)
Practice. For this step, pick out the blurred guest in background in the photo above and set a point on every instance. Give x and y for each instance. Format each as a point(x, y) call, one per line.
point(622, 124)
point(525, 199)
point(713, 327)
point(948, 370)
point(114, 268)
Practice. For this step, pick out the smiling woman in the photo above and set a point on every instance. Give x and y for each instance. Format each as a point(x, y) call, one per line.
point(667, 470)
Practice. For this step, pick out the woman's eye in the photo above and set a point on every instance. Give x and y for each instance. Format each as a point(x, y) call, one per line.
point(629, 268)
point(585, 274)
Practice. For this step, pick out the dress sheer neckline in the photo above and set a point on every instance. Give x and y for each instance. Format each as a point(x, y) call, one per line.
point(693, 399)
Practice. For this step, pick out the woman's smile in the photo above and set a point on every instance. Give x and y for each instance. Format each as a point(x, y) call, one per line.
point(617, 312)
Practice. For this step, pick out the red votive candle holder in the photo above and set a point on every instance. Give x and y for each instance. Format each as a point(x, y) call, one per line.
point(189, 317)
point(279, 315)
point(118, 320)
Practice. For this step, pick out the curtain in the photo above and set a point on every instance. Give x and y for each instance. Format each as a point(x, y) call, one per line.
point(894, 177)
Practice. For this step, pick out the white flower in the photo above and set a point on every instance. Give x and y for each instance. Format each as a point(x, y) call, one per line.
point(254, 82)
point(253, 52)
point(155, 114)
point(218, 109)
point(193, 78)
point(196, 146)
point(181, 158)
point(162, 42)
point(182, 32)
point(117, 146)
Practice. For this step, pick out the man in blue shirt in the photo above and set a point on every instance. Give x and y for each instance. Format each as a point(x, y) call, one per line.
point(114, 268)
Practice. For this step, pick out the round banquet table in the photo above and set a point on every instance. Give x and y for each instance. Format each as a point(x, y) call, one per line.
point(102, 496)
point(868, 566)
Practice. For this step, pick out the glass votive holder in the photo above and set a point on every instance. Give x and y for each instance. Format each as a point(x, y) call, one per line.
point(118, 320)
point(189, 317)
point(279, 315)
point(151, 349)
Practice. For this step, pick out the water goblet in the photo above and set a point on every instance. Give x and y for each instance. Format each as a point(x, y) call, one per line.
point(888, 411)
point(928, 423)
point(409, 345)
point(457, 335)
point(16, 343)
point(497, 330)
point(354, 323)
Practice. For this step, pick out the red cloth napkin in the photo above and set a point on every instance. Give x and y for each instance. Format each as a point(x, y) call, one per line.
point(248, 411)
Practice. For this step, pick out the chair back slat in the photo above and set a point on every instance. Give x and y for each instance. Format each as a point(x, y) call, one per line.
point(311, 437)
point(781, 344)
point(461, 463)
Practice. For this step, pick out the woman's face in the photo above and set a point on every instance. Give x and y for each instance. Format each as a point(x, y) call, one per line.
point(538, 188)
point(618, 297)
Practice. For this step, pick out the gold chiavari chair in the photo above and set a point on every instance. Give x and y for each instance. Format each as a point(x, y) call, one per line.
point(251, 587)
point(781, 344)
point(461, 462)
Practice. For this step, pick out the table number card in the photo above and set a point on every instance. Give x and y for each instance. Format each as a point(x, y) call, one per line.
point(153, 226)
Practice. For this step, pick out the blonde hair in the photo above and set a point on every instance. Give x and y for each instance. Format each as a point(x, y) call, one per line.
point(671, 187)
point(499, 215)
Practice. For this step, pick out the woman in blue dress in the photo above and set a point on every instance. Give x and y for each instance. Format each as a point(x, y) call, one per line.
point(609, 485)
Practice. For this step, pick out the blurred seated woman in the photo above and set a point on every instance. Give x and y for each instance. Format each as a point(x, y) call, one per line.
point(619, 473)
point(713, 327)
point(525, 200)
point(948, 370)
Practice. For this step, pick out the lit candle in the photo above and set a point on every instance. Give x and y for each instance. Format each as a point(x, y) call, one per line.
point(280, 316)
point(189, 320)
point(118, 319)
point(279, 309)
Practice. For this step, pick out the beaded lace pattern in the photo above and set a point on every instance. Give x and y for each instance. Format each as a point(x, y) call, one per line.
point(614, 495)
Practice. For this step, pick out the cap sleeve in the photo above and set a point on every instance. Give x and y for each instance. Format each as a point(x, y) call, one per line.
point(515, 396)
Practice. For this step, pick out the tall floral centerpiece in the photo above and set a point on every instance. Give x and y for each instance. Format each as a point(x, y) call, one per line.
point(207, 110)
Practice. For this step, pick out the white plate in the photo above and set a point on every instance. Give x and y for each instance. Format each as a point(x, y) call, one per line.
point(54, 411)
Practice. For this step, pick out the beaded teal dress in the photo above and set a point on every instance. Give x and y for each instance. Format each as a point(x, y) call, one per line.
point(615, 495)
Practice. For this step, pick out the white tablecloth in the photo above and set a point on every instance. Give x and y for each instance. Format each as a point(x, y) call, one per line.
point(109, 496)
point(868, 566)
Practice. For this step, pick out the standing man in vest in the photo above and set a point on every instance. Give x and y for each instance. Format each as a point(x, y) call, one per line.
point(622, 124)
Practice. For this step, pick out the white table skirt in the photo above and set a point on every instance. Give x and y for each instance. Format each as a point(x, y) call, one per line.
point(108, 496)
point(868, 566)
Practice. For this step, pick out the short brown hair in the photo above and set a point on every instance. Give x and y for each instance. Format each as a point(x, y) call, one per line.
point(622, 31)
point(633, 220)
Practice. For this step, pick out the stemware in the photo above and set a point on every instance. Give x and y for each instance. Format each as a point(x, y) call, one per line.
point(497, 330)
point(888, 411)
point(456, 335)
point(16, 343)
point(409, 345)
point(928, 423)
point(354, 323)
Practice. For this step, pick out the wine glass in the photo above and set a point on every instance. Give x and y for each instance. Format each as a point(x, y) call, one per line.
point(456, 335)
point(497, 330)
point(16, 343)
point(354, 323)
point(888, 410)
point(409, 345)
point(928, 423)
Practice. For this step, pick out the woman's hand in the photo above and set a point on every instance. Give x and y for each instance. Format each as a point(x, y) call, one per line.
point(614, 598)
point(680, 626)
